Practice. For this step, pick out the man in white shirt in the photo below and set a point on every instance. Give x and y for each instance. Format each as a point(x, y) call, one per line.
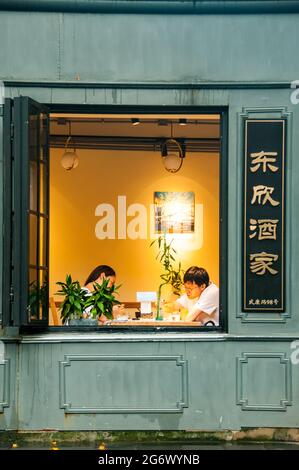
point(201, 298)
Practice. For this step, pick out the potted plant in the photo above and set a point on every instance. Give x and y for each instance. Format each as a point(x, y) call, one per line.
point(38, 298)
point(102, 299)
point(80, 307)
point(74, 303)
point(170, 275)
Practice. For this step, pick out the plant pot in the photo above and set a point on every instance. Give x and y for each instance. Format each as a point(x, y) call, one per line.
point(84, 322)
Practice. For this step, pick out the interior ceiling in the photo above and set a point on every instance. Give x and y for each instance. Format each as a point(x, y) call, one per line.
point(116, 131)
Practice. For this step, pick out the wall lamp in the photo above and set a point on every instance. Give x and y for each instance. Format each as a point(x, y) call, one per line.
point(173, 153)
point(69, 159)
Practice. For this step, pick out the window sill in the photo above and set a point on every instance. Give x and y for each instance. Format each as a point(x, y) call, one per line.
point(119, 334)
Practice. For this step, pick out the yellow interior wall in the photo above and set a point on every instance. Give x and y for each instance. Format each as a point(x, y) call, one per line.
point(100, 177)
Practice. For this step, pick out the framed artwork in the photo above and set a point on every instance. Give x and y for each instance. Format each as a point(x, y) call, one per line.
point(174, 212)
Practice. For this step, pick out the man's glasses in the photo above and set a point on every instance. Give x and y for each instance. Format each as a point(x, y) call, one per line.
point(190, 289)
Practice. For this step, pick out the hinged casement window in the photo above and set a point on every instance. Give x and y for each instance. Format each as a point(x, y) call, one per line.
point(26, 238)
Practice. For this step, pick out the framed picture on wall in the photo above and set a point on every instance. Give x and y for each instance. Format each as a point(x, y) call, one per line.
point(174, 212)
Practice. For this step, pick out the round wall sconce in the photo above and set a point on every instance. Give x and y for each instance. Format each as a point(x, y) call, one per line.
point(69, 159)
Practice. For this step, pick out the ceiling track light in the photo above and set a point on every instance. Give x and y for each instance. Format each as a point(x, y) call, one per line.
point(135, 121)
point(162, 122)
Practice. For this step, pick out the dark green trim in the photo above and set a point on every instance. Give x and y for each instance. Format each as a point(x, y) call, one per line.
point(66, 334)
point(128, 109)
point(223, 221)
point(23, 108)
point(7, 214)
point(241, 85)
point(154, 6)
point(24, 194)
point(17, 211)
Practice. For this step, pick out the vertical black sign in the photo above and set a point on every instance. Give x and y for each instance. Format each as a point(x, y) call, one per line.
point(264, 209)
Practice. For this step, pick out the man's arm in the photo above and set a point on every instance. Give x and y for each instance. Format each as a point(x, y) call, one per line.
point(171, 306)
point(205, 309)
point(198, 315)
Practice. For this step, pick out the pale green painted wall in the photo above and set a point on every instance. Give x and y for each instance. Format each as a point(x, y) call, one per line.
point(129, 374)
point(180, 49)
point(146, 48)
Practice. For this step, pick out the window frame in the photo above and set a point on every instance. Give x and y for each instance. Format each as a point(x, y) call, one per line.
point(17, 210)
point(223, 211)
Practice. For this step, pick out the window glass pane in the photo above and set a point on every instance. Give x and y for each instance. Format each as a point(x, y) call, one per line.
point(33, 304)
point(43, 189)
point(33, 186)
point(32, 239)
point(43, 294)
point(186, 209)
point(42, 241)
point(43, 136)
point(33, 137)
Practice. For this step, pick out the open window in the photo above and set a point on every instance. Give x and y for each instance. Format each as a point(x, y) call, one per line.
point(95, 189)
point(26, 243)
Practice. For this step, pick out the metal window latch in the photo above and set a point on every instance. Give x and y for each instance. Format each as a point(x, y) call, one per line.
point(11, 294)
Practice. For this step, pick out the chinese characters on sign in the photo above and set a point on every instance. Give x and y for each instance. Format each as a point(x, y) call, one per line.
point(264, 200)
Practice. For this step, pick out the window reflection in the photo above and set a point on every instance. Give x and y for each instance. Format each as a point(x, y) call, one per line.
point(32, 239)
point(43, 200)
point(43, 294)
point(38, 222)
point(42, 241)
point(33, 295)
point(33, 186)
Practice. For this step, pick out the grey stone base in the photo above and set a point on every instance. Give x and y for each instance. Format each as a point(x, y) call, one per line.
point(92, 439)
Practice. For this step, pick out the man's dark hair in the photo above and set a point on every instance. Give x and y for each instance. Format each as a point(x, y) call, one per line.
point(95, 274)
point(197, 275)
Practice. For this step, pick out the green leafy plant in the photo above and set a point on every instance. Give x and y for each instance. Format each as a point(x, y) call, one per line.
point(166, 256)
point(102, 299)
point(38, 297)
point(33, 300)
point(75, 299)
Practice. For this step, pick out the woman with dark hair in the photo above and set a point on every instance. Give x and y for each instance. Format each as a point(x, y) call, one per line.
point(97, 276)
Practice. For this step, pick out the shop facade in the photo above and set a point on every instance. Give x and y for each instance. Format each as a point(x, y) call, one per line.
point(238, 61)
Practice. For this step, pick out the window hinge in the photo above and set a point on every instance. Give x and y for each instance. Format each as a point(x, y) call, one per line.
point(11, 294)
point(12, 128)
